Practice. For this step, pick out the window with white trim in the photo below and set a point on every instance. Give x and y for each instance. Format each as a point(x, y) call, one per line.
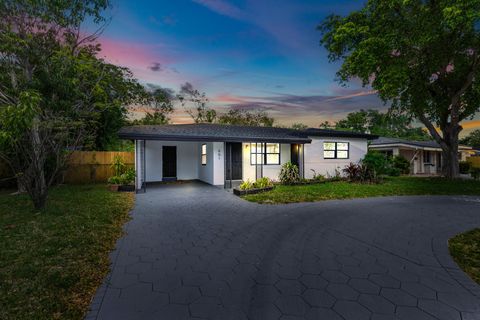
point(268, 155)
point(336, 150)
point(204, 154)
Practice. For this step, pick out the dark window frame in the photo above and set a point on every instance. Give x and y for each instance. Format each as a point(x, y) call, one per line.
point(253, 155)
point(203, 157)
point(335, 151)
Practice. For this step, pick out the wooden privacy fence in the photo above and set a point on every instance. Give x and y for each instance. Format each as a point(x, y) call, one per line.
point(474, 161)
point(94, 166)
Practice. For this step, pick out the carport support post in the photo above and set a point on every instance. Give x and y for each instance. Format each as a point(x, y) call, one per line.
point(256, 160)
point(303, 160)
point(264, 157)
point(144, 171)
point(230, 164)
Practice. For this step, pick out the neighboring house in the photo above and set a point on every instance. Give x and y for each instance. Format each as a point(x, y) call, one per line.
point(223, 155)
point(425, 156)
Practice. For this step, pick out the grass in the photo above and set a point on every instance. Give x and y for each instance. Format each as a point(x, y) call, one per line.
point(465, 250)
point(52, 262)
point(391, 186)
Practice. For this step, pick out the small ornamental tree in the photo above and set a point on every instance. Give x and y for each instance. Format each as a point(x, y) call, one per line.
point(422, 56)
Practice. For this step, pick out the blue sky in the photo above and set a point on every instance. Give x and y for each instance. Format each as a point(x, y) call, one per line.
point(249, 53)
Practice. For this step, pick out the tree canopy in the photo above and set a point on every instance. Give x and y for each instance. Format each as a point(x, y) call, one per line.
point(423, 56)
point(473, 139)
point(55, 94)
point(382, 124)
point(201, 112)
point(257, 118)
point(160, 102)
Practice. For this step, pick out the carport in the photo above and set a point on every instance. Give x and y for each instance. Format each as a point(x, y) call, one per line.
point(220, 155)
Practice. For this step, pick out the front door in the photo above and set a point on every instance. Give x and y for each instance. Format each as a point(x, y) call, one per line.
point(233, 161)
point(169, 159)
point(295, 154)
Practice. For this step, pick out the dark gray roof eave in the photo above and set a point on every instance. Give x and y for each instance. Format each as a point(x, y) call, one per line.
point(139, 136)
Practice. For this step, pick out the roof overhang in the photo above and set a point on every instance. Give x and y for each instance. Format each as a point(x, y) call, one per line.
point(138, 136)
point(413, 146)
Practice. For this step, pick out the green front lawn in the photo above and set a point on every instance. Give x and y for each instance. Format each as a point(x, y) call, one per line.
point(391, 186)
point(465, 250)
point(51, 262)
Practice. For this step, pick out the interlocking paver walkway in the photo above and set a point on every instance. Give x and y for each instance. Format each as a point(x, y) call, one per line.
point(193, 251)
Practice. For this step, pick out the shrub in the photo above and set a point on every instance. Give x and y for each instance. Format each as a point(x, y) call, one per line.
point(359, 173)
point(127, 177)
point(475, 173)
point(246, 185)
point(393, 171)
point(352, 171)
point(118, 165)
point(465, 167)
point(115, 180)
point(263, 183)
point(377, 162)
point(402, 164)
point(289, 174)
point(317, 176)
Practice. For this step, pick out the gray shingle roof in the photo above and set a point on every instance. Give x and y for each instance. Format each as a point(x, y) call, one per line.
point(422, 144)
point(229, 133)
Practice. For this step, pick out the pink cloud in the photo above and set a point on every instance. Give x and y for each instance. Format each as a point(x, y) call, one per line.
point(227, 98)
point(133, 54)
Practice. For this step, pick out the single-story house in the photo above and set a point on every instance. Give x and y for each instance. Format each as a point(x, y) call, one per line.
point(425, 156)
point(224, 155)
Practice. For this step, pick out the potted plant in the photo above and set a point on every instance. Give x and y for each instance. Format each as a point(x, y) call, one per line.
point(124, 177)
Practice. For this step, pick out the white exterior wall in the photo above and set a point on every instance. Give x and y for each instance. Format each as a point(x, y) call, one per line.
point(187, 159)
point(214, 171)
point(270, 171)
point(314, 155)
point(218, 164)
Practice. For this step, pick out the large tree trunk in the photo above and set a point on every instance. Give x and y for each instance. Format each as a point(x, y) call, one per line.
point(450, 164)
point(39, 192)
point(36, 174)
point(449, 145)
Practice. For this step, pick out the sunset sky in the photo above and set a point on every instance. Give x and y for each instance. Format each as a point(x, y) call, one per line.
point(249, 53)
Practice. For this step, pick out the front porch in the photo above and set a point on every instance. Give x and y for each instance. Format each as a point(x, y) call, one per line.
point(423, 161)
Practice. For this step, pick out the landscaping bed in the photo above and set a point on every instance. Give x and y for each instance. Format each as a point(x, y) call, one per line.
point(240, 192)
point(390, 186)
point(465, 250)
point(52, 262)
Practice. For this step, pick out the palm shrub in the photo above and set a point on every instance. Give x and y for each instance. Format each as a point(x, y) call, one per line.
point(289, 174)
point(264, 182)
point(118, 165)
point(246, 185)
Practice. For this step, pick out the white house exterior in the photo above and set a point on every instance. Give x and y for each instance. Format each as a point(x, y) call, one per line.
point(425, 157)
point(225, 155)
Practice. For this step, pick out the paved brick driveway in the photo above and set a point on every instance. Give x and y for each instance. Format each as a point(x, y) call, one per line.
point(193, 251)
